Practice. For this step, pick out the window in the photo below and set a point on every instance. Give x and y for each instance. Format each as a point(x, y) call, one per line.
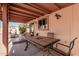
point(43, 24)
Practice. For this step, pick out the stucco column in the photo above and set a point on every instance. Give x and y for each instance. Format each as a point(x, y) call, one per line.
point(5, 26)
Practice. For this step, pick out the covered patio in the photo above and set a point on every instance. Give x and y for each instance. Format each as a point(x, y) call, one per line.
point(58, 18)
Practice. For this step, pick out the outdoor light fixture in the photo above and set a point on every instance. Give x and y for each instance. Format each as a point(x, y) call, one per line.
point(57, 16)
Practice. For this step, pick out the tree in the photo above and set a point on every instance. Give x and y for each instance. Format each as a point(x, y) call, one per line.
point(22, 28)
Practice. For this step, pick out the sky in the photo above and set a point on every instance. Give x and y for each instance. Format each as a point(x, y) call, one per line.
point(11, 24)
point(0, 23)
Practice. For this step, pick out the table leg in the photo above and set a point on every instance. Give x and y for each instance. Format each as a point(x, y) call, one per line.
point(50, 47)
point(43, 52)
point(48, 52)
point(26, 46)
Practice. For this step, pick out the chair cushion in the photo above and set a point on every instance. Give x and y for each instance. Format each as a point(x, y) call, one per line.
point(61, 52)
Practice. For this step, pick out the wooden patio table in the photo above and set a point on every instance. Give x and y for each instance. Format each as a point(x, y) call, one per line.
point(44, 42)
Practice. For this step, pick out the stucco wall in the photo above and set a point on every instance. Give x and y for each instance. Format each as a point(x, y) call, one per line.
point(66, 28)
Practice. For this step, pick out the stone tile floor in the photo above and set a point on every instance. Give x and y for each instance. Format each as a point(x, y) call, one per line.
point(18, 49)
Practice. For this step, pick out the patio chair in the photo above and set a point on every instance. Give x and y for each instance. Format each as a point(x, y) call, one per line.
point(70, 47)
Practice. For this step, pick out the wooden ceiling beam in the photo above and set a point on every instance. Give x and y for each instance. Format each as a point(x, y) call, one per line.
point(38, 7)
point(57, 5)
point(14, 15)
point(57, 8)
point(23, 11)
point(24, 7)
point(0, 13)
point(18, 19)
point(21, 14)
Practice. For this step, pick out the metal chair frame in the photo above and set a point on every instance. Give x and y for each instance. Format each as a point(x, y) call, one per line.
point(71, 45)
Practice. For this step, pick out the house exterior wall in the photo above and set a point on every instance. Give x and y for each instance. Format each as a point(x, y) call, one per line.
point(66, 28)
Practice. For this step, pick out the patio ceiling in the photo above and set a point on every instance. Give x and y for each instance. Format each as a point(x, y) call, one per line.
point(24, 12)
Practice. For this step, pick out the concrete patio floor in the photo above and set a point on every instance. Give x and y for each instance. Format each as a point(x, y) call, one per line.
point(2, 48)
point(18, 49)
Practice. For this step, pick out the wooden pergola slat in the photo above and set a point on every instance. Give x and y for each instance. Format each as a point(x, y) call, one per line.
point(16, 15)
point(24, 11)
point(25, 7)
point(19, 19)
point(22, 14)
point(39, 7)
point(57, 6)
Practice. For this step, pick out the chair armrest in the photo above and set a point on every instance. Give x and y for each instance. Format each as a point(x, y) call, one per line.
point(61, 44)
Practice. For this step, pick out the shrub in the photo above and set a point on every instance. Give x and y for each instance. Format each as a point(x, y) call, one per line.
point(22, 28)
